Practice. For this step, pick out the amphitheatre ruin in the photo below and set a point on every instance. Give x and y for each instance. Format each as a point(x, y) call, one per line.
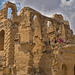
point(29, 43)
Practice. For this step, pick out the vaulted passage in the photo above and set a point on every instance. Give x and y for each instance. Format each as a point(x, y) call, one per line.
point(64, 69)
point(74, 70)
point(2, 40)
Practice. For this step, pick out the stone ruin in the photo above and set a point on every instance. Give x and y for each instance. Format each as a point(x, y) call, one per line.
point(24, 43)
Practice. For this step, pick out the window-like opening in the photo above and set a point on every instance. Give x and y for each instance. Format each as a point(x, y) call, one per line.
point(34, 17)
point(2, 40)
point(64, 69)
point(48, 23)
point(57, 30)
point(9, 13)
point(74, 70)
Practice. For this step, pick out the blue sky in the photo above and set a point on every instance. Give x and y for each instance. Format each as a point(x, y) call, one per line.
point(48, 8)
point(1, 4)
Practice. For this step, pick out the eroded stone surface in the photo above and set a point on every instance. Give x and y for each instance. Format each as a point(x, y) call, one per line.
point(24, 43)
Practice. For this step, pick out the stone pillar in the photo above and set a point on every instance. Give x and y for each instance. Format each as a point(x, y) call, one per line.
point(56, 68)
point(9, 45)
point(13, 15)
point(63, 32)
point(30, 64)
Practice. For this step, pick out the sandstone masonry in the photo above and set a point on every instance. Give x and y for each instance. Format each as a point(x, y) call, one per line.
point(24, 43)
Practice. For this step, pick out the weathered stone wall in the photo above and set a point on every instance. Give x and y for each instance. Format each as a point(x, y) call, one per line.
point(26, 49)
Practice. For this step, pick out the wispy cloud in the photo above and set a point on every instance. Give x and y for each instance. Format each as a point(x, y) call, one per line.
point(67, 2)
point(68, 8)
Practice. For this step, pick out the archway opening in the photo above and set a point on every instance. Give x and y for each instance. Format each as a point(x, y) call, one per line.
point(34, 17)
point(48, 24)
point(9, 13)
point(36, 21)
point(2, 40)
point(64, 69)
point(74, 70)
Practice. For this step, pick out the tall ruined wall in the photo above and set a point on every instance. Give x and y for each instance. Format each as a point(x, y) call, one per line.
point(26, 41)
point(34, 29)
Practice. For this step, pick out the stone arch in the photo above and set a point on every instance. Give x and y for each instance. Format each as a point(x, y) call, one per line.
point(51, 27)
point(37, 17)
point(13, 8)
point(36, 21)
point(36, 26)
point(64, 69)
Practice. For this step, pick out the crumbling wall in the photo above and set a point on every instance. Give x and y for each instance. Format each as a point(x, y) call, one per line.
point(33, 29)
point(26, 42)
point(45, 67)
